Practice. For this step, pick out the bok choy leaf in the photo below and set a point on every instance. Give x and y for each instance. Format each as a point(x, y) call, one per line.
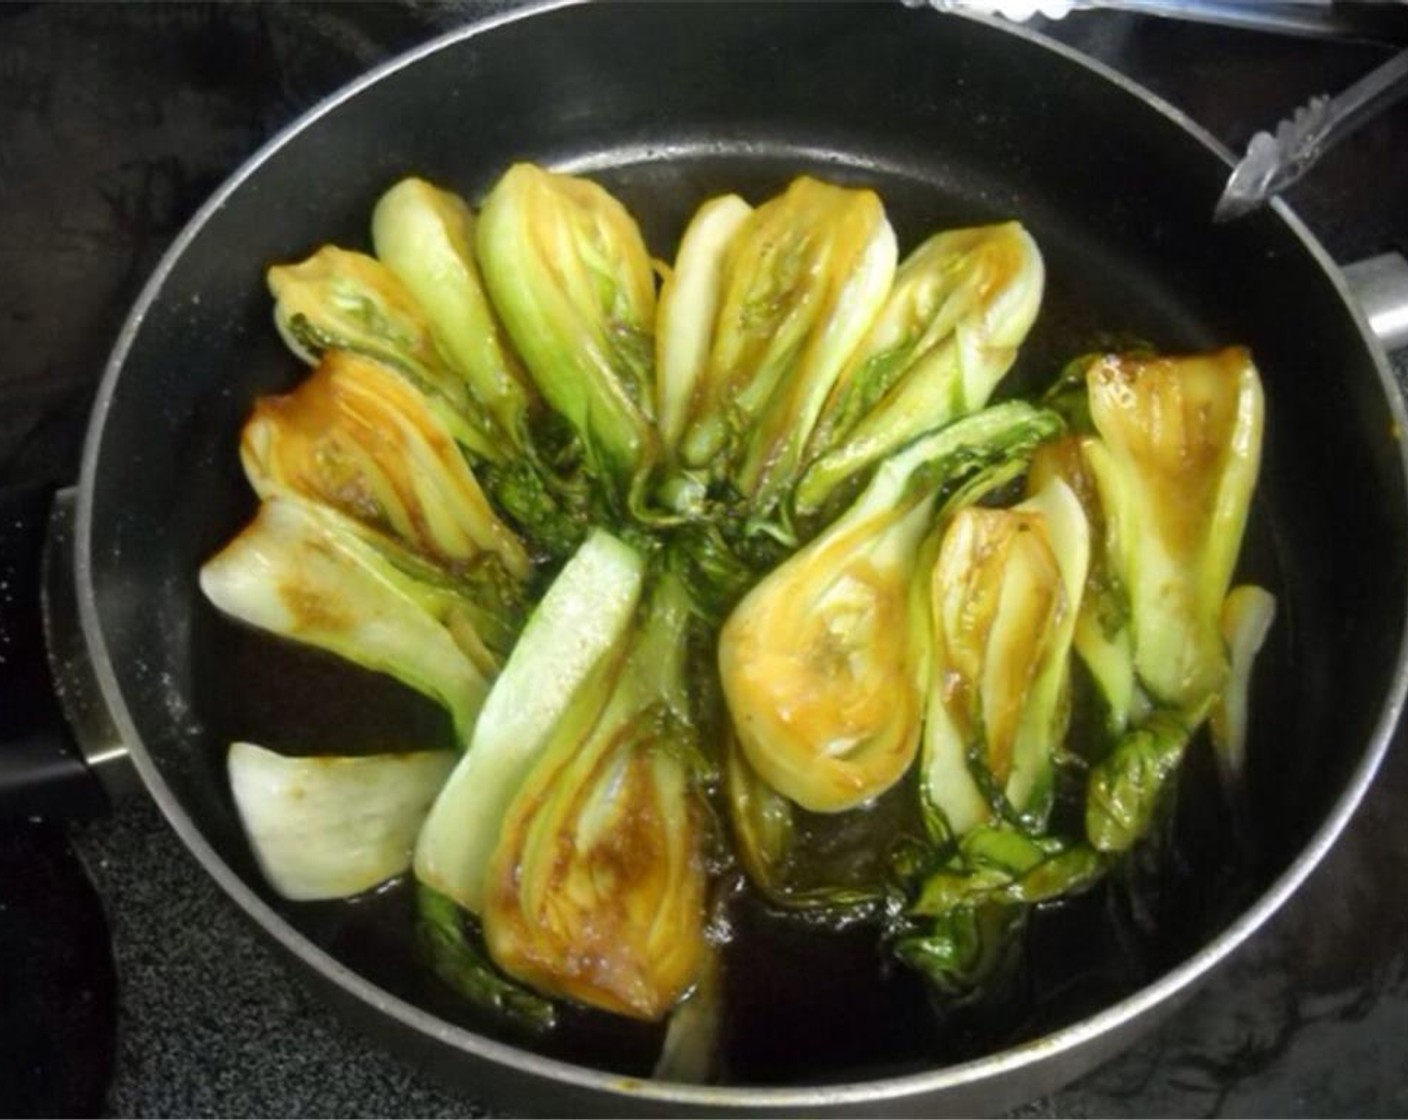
point(311, 575)
point(961, 305)
point(823, 662)
point(582, 621)
point(802, 278)
point(331, 827)
point(341, 300)
point(570, 277)
point(426, 237)
point(358, 438)
point(597, 888)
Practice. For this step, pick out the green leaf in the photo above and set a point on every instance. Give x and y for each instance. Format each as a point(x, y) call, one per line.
point(460, 963)
point(1127, 788)
point(570, 277)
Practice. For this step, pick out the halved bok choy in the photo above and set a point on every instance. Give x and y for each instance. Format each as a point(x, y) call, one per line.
point(823, 663)
point(582, 621)
point(1174, 458)
point(801, 279)
point(1004, 595)
point(343, 300)
point(309, 574)
point(359, 438)
point(961, 305)
point(597, 888)
point(571, 280)
point(425, 236)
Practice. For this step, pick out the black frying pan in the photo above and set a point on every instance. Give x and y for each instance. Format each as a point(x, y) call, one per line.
point(954, 122)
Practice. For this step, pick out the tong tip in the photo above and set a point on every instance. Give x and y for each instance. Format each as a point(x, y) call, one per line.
point(1235, 204)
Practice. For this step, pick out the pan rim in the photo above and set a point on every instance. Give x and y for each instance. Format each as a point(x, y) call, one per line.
point(1137, 1005)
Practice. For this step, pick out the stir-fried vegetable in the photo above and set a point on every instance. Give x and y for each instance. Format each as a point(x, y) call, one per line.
point(1175, 465)
point(339, 300)
point(823, 662)
point(329, 827)
point(1174, 462)
point(358, 438)
point(961, 305)
point(571, 278)
point(596, 890)
point(1102, 635)
point(785, 469)
point(962, 931)
point(1247, 615)
point(802, 278)
point(1004, 594)
point(311, 575)
point(689, 307)
point(580, 623)
point(426, 237)
point(1003, 611)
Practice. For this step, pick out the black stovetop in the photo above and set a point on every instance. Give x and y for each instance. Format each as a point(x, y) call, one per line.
point(115, 123)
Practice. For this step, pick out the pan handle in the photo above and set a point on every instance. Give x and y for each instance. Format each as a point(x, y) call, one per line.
point(94, 733)
point(49, 766)
point(1380, 287)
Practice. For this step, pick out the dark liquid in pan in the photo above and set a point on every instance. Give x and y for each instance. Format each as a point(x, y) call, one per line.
point(804, 1004)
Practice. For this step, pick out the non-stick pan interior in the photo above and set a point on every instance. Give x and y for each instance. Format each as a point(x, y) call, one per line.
point(953, 122)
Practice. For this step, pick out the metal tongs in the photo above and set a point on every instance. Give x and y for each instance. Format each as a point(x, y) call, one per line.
point(1275, 160)
point(1324, 18)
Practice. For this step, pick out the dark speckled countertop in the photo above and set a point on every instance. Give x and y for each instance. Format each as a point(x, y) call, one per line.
point(115, 122)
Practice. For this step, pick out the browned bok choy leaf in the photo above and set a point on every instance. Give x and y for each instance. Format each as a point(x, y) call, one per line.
point(309, 574)
point(1004, 596)
point(801, 280)
point(823, 663)
point(1175, 467)
point(341, 300)
point(582, 621)
point(597, 888)
point(1174, 457)
point(358, 438)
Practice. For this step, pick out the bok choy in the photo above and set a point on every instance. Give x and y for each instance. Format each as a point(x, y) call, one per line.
point(341, 300)
point(311, 575)
point(1004, 593)
point(1175, 465)
point(961, 305)
point(597, 887)
point(801, 279)
point(580, 623)
point(426, 237)
point(570, 277)
point(823, 662)
point(358, 438)
point(1174, 461)
point(330, 827)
